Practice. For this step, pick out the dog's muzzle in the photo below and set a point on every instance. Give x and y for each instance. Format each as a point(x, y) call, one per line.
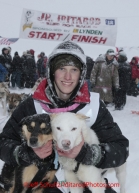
point(66, 144)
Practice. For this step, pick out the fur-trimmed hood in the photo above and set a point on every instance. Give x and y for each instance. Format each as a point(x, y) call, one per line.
point(75, 50)
point(83, 96)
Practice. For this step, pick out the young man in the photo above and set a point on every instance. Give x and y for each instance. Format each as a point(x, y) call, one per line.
point(65, 90)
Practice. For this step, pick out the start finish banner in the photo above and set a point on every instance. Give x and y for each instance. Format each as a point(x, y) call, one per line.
point(56, 27)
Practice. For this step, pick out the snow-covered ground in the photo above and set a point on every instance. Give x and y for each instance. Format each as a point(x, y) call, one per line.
point(129, 124)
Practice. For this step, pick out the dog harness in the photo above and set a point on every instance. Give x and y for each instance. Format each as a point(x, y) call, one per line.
point(44, 166)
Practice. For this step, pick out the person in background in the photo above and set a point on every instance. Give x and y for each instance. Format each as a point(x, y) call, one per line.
point(30, 70)
point(133, 91)
point(16, 71)
point(64, 90)
point(23, 74)
point(118, 50)
point(5, 60)
point(3, 73)
point(104, 76)
point(9, 53)
point(124, 71)
point(41, 65)
point(32, 52)
point(90, 64)
point(137, 82)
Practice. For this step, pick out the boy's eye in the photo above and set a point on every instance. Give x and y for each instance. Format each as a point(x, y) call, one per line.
point(61, 68)
point(75, 69)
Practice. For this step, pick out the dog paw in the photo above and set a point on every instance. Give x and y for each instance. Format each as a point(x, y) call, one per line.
point(50, 176)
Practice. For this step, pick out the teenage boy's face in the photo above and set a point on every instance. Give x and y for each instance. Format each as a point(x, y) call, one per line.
point(66, 79)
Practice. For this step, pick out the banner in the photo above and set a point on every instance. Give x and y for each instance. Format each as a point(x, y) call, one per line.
point(56, 27)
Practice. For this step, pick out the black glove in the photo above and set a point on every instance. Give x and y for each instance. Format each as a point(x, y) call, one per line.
point(23, 155)
point(90, 155)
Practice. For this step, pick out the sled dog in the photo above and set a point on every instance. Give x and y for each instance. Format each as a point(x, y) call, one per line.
point(3, 95)
point(68, 129)
point(36, 132)
point(13, 100)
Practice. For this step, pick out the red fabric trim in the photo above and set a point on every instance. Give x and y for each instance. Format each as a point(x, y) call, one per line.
point(82, 97)
point(39, 94)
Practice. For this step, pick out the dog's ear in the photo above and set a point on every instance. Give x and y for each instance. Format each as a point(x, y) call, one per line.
point(8, 95)
point(52, 116)
point(23, 121)
point(81, 116)
point(5, 84)
point(44, 117)
point(22, 95)
point(7, 91)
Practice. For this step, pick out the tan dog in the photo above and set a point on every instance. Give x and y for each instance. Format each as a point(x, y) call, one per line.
point(4, 91)
point(36, 131)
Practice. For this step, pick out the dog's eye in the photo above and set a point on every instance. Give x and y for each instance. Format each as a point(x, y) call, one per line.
point(58, 128)
point(43, 131)
point(74, 128)
point(30, 128)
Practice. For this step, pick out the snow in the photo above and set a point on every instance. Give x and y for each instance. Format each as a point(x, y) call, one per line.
point(129, 125)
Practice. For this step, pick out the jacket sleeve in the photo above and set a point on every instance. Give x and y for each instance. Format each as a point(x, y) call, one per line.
point(11, 134)
point(94, 73)
point(128, 77)
point(115, 77)
point(113, 144)
point(116, 145)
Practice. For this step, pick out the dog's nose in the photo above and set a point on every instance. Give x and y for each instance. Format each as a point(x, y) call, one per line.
point(11, 107)
point(66, 143)
point(33, 140)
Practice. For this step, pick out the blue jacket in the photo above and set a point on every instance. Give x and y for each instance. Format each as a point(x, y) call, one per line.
point(3, 73)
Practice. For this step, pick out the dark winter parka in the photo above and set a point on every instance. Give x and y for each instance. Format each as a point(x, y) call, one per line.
point(46, 100)
point(30, 66)
point(124, 71)
point(3, 73)
point(16, 64)
point(41, 67)
point(5, 60)
point(104, 126)
point(90, 64)
point(23, 62)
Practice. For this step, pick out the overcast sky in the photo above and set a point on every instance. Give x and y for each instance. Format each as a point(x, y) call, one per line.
point(126, 12)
